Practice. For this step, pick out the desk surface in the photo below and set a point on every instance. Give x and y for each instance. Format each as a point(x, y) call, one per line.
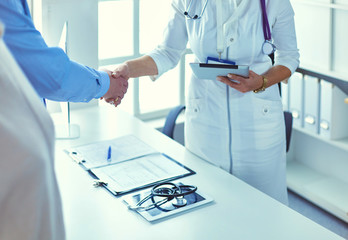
point(238, 212)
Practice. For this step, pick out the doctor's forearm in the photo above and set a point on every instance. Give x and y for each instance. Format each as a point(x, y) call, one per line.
point(277, 74)
point(143, 66)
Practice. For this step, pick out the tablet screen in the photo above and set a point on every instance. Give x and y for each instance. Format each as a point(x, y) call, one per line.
point(211, 71)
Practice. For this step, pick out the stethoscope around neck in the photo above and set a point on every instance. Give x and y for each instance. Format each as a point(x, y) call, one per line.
point(267, 47)
point(167, 192)
point(186, 13)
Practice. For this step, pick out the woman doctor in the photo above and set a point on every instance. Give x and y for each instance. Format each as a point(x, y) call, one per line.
point(238, 126)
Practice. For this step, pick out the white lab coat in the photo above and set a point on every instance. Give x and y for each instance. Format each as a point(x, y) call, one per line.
point(243, 133)
point(30, 205)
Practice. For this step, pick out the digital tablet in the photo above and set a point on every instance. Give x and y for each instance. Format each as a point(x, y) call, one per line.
point(211, 71)
point(167, 209)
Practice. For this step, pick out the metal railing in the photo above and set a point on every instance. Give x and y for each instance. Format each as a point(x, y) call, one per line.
point(339, 81)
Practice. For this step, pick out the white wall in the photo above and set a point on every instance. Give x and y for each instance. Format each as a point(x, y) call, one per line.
point(82, 17)
point(322, 34)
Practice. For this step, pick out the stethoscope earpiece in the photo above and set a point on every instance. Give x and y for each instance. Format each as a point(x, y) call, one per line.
point(195, 17)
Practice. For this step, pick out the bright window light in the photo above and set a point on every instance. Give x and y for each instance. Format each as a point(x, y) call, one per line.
point(139, 35)
point(115, 29)
point(153, 20)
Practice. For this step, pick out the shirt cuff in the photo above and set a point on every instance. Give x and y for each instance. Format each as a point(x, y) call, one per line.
point(290, 64)
point(160, 68)
point(104, 83)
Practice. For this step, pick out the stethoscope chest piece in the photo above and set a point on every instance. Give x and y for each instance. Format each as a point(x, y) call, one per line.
point(180, 202)
point(166, 192)
point(268, 48)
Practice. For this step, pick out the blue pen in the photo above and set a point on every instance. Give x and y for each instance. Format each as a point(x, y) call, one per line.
point(109, 154)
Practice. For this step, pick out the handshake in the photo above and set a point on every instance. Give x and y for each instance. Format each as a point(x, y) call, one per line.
point(118, 84)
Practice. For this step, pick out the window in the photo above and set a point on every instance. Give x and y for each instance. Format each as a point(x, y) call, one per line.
point(324, 47)
point(106, 33)
point(115, 24)
point(128, 29)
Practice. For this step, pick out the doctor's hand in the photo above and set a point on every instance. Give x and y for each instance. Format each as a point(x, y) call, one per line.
point(118, 88)
point(242, 84)
point(122, 71)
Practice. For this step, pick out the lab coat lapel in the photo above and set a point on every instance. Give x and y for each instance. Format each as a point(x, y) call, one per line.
point(226, 21)
point(238, 11)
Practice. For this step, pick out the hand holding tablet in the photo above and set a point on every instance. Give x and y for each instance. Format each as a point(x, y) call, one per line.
point(211, 71)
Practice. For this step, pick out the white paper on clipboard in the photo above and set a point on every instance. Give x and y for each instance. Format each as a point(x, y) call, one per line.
point(124, 148)
point(133, 165)
point(132, 175)
point(211, 71)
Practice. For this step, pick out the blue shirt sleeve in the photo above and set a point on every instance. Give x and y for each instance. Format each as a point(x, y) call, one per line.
point(53, 75)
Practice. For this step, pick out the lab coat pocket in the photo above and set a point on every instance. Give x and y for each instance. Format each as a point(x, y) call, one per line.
point(194, 107)
point(199, 114)
point(269, 126)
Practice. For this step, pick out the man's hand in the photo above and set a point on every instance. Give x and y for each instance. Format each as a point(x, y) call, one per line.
point(118, 87)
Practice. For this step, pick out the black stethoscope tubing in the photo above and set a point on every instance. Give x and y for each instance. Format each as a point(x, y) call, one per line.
point(175, 191)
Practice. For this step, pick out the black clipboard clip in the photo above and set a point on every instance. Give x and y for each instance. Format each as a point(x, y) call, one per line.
point(99, 183)
point(77, 157)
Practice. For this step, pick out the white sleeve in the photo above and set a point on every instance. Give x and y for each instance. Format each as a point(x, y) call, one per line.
point(168, 53)
point(284, 37)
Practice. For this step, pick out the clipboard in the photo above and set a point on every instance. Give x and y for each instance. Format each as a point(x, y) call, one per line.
point(141, 168)
point(211, 71)
point(118, 184)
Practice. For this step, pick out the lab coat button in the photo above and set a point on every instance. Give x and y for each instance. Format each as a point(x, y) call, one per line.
point(195, 110)
point(231, 39)
point(265, 110)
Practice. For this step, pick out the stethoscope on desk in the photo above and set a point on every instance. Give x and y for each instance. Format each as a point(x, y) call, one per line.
point(168, 191)
point(267, 47)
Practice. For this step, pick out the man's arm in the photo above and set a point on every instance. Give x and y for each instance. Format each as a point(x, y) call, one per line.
point(50, 71)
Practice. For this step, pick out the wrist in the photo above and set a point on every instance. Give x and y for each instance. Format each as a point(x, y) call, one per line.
point(104, 83)
point(128, 67)
point(264, 85)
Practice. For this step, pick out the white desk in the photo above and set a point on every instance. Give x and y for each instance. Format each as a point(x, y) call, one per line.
point(239, 211)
